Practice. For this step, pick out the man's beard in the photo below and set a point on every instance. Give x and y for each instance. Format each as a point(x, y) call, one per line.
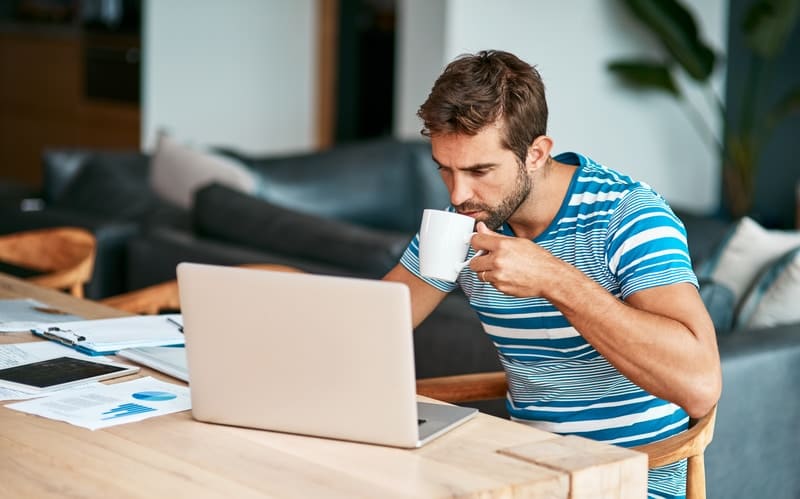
point(496, 216)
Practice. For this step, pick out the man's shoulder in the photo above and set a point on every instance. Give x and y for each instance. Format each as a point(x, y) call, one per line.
point(593, 176)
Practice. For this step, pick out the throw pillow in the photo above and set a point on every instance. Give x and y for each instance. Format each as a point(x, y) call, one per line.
point(262, 225)
point(718, 300)
point(774, 298)
point(745, 252)
point(176, 172)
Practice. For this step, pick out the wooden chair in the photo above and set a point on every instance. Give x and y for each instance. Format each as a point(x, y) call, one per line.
point(62, 256)
point(164, 296)
point(689, 445)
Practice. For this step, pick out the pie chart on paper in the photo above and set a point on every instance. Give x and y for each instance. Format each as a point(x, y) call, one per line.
point(154, 396)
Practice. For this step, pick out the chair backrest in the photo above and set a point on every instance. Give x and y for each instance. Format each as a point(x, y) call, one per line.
point(63, 255)
point(164, 296)
point(689, 445)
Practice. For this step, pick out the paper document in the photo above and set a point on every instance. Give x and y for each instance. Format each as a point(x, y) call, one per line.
point(168, 360)
point(107, 336)
point(109, 405)
point(26, 313)
point(16, 354)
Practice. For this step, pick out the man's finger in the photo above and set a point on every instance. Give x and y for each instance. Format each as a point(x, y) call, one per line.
point(485, 239)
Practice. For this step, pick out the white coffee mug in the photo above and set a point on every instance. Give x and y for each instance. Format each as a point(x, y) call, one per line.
point(444, 238)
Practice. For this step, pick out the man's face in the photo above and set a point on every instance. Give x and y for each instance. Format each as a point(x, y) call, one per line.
point(485, 180)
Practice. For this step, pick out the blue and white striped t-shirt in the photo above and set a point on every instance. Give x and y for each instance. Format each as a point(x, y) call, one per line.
point(622, 234)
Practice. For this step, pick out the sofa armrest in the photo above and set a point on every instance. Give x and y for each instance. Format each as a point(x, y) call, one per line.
point(152, 257)
point(265, 226)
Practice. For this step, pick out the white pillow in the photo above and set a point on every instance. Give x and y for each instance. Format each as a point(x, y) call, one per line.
point(176, 172)
point(746, 252)
point(775, 298)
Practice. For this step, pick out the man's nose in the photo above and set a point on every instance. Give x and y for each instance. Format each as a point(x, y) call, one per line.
point(461, 191)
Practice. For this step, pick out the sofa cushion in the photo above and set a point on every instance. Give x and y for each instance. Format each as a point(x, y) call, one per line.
point(263, 225)
point(383, 184)
point(744, 253)
point(60, 166)
point(176, 172)
point(774, 298)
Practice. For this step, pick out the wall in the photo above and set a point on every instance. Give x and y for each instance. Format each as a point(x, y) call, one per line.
point(239, 73)
point(643, 134)
point(419, 59)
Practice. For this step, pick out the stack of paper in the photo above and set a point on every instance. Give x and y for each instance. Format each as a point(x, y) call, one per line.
point(92, 405)
point(26, 313)
point(168, 360)
point(107, 336)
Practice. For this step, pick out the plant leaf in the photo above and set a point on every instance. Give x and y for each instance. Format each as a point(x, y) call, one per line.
point(645, 74)
point(768, 25)
point(785, 107)
point(677, 31)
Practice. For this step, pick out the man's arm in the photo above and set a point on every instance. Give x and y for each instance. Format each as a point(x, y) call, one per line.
point(424, 297)
point(661, 338)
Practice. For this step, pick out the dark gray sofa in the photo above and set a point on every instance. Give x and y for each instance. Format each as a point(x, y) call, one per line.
point(350, 211)
point(756, 449)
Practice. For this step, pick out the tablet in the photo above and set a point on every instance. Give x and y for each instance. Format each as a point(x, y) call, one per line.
point(61, 372)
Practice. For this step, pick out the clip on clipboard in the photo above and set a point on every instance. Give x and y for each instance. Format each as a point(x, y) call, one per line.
point(50, 335)
point(107, 336)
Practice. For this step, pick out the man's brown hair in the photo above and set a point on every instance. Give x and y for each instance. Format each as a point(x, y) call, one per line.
point(476, 90)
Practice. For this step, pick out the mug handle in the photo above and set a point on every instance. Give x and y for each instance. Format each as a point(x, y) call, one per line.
point(466, 262)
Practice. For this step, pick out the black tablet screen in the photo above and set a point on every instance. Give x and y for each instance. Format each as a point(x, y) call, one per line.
point(56, 371)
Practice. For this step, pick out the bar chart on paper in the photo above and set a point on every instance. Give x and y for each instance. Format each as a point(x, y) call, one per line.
point(124, 410)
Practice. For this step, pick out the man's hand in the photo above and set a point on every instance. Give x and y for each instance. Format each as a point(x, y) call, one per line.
point(513, 265)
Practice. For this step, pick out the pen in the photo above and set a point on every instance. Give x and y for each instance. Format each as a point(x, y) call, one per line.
point(176, 323)
point(49, 310)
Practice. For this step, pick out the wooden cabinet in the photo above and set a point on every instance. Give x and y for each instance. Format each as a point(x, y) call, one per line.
point(43, 102)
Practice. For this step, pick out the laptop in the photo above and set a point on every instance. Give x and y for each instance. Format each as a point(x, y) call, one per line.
point(307, 354)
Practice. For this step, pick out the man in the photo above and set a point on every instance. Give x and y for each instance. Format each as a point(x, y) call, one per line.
point(586, 287)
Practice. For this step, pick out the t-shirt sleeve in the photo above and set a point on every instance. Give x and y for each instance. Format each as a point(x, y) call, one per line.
point(410, 260)
point(646, 245)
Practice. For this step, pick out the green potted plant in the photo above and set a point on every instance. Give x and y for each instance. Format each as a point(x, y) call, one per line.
point(767, 26)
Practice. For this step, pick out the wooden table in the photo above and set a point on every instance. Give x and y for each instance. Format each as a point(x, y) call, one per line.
point(175, 456)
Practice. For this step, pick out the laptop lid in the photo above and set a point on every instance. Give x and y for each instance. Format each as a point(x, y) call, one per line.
point(302, 353)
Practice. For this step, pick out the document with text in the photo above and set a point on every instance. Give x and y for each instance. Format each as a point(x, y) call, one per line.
point(15, 354)
point(102, 406)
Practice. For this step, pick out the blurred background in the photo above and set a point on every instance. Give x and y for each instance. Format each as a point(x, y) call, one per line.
point(279, 76)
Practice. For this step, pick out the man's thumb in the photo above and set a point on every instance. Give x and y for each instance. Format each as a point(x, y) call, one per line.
point(481, 228)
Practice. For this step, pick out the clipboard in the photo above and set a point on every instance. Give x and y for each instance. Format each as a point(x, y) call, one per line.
point(108, 336)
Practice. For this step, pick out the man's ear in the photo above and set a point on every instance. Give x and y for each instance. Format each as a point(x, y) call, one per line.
point(538, 153)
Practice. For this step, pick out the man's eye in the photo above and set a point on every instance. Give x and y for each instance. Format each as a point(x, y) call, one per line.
point(479, 173)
